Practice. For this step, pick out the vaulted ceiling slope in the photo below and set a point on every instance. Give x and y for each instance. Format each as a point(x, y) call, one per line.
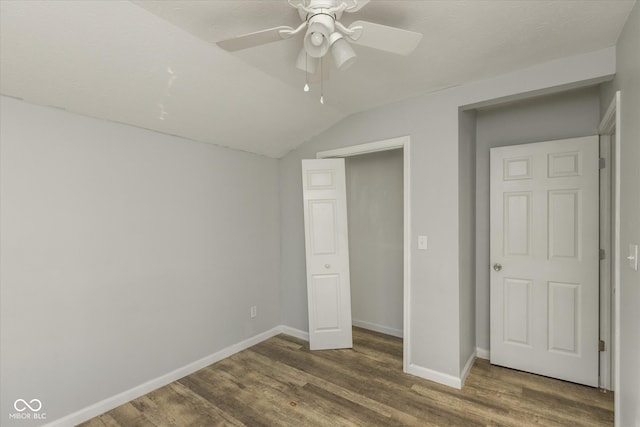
point(155, 64)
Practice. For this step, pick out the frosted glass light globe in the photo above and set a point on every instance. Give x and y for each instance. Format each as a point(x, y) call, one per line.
point(317, 39)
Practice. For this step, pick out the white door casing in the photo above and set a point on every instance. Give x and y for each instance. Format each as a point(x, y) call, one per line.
point(403, 142)
point(327, 254)
point(544, 236)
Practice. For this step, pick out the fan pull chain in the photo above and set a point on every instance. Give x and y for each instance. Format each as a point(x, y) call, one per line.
point(306, 72)
point(321, 81)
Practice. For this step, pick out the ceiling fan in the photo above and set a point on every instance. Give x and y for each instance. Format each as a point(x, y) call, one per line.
point(325, 33)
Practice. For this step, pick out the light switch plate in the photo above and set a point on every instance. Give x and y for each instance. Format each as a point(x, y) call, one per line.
point(422, 243)
point(633, 257)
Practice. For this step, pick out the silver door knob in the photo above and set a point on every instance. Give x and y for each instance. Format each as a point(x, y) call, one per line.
point(497, 267)
point(327, 266)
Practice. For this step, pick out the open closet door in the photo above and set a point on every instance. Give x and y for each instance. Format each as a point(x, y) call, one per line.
point(327, 253)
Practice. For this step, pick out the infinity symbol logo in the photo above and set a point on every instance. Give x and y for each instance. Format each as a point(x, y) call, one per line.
point(21, 405)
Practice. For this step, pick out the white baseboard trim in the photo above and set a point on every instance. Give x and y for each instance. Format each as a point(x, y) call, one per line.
point(483, 353)
point(431, 375)
point(378, 328)
point(112, 402)
point(467, 368)
point(288, 330)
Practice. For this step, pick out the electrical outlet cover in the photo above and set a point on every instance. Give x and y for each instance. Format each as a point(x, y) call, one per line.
point(422, 243)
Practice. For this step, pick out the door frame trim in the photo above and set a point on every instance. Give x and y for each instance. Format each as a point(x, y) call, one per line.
point(610, 127)
point(403, 142)
point(606, 268)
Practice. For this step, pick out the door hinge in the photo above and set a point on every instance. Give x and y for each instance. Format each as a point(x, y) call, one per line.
point(601, 162)
point(601, 345)
point(602, 254)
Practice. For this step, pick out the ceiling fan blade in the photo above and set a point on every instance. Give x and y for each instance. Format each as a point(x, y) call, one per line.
point(253, 39)
point(382, 37)
point(359, 4)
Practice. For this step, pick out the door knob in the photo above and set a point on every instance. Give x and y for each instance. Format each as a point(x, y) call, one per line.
point(497, 267)
point(327, 266)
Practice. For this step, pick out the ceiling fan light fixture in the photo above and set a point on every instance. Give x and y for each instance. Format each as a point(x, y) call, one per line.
point(342, 52)
point(316, 40)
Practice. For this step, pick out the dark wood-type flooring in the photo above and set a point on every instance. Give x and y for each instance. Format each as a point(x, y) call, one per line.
point(279, 382)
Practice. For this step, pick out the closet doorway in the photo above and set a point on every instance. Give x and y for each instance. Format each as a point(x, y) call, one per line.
point(375, 220)
point(377, 180)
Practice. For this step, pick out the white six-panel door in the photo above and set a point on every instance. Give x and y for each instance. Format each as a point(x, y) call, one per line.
point(327, 254)
point(545, 258)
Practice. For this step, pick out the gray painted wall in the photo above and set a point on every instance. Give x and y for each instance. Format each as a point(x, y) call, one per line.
point(627, 80)
point(565, 115)
point(432, 122)
point(375, 213)
point(125, 255)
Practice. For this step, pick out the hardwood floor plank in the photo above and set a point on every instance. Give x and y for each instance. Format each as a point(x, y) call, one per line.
point(536, 382)
point(128, 415)
point(280, 382)
point(104, 420)
point(256, 405)
point(380, 408)
point(538, 411)
point(485, 412)
point(176, 405)
point(230, 397)
point(572, 409)
point(357, 414)
point(283, 393)
point(371, 381)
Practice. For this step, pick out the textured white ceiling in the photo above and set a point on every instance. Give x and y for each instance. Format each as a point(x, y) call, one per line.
point(154, 64)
